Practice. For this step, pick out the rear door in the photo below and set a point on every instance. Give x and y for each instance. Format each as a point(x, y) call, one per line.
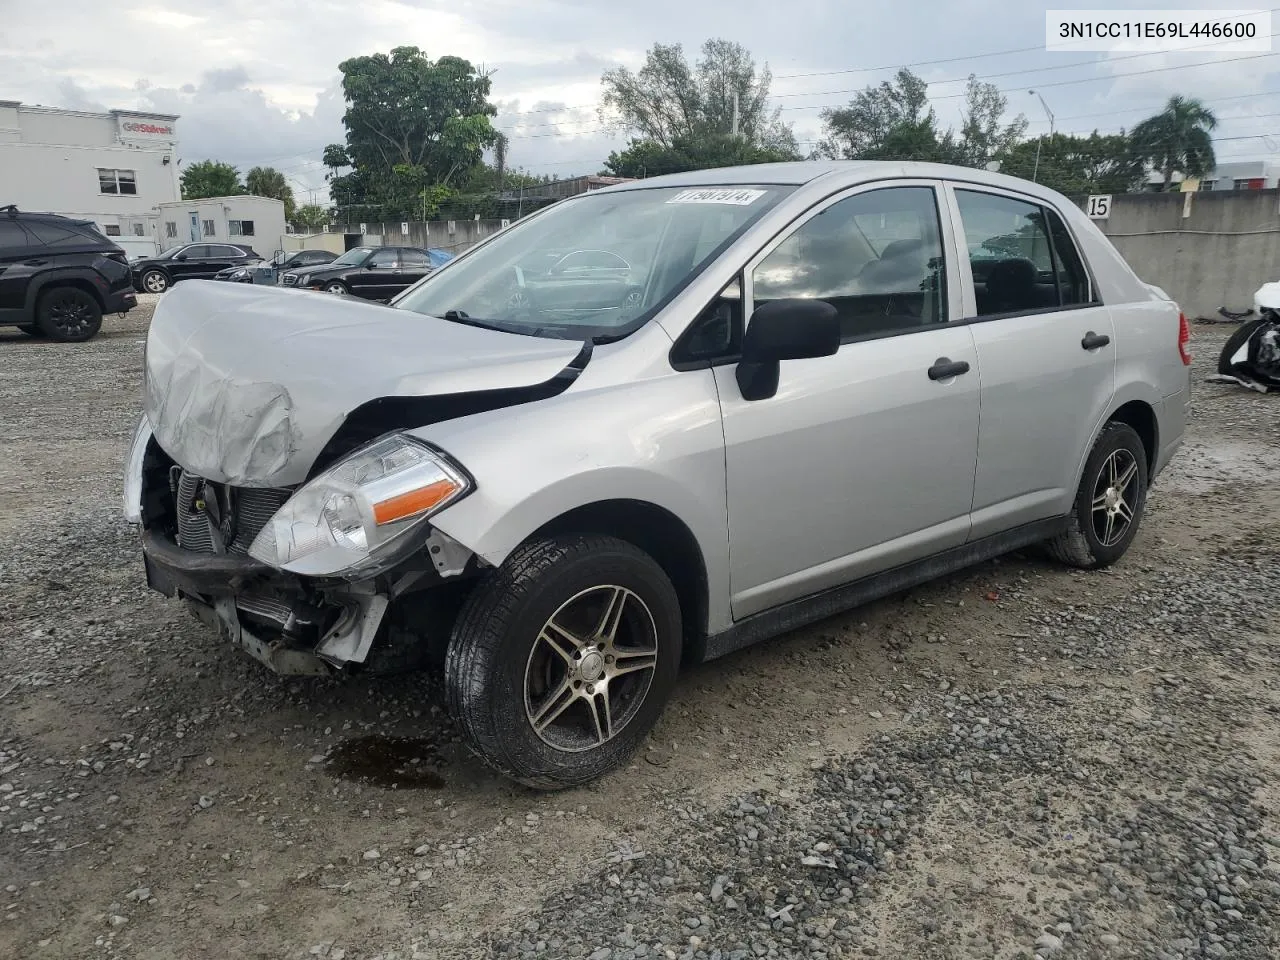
point(414, 265)
point(1045, 352)
point(220, 256)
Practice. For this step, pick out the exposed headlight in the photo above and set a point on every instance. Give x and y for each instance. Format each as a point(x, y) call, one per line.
point(133, 471)
point(352, 521)
point(237, 274)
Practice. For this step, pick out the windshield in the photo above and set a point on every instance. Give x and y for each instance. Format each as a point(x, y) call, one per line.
point(597, 266)
point(351, 258)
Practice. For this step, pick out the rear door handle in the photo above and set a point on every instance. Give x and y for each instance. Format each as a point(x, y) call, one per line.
point(945, 369)
point(1092, 341)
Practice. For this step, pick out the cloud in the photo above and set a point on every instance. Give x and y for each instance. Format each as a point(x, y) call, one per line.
point(257, 82)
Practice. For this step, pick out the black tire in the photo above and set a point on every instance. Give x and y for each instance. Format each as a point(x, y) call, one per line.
point(1082, 544)
point(1236, 341)
point(155, 281)
point(30, 329)
point(68, 315)
point(495, 643)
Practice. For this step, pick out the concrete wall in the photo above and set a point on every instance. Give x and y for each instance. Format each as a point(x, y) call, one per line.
point(1224, 248)
point(452, 235)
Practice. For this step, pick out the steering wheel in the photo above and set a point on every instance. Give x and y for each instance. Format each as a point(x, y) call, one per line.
point(558, 266)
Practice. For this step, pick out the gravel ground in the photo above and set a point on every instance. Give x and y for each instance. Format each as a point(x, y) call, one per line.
point(1019, 761)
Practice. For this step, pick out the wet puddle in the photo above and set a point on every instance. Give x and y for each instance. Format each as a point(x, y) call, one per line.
point(404, 763)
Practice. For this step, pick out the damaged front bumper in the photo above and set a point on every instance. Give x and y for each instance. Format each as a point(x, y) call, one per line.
point(289, 626)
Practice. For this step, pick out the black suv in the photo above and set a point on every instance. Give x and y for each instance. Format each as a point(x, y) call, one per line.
point(189, 261)
point(58, 276)
point(375, 273)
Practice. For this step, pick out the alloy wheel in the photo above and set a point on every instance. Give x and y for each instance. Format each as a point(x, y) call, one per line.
point(155, 282)
point(335, 288)
point(70, 316)
point(590, 668)
point(1114, 497)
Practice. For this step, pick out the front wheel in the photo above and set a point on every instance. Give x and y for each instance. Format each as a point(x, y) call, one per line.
point(338, 289)
point(1109, 504)
point(562, 660)
point(155, 281)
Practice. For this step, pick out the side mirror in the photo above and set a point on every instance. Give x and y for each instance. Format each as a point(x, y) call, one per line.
point(181, 256)
point(784, 330)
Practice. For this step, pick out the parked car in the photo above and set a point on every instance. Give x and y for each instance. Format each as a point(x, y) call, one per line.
point(189, 261)
point(269, 271)
point(374, 273)
point(813, 403)
point(58, 276)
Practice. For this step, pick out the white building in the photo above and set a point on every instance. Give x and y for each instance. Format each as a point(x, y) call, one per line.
point(1234, 175)
point(257, 222)
point(113, 168)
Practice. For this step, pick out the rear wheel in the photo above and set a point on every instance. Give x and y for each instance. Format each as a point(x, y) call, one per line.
point(68, 315)
point(562, 660)
point(1109, 504)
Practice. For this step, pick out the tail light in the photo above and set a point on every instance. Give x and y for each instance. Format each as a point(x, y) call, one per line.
point(118, 257)
point(1184, 340)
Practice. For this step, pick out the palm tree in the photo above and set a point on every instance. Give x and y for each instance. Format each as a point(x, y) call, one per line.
point(1178, 139)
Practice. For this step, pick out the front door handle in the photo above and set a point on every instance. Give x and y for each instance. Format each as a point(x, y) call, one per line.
point(945, 369)
point(34, 263)
point(1092, 341)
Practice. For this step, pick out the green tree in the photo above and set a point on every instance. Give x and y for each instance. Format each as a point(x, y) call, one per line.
point(648, 158)
point(270, 182)
point(210, 178)
point(413, 127)
point(1078, 166)
point(683, 115)
point(1177, 140)
point(311, 215)
point(983, 135)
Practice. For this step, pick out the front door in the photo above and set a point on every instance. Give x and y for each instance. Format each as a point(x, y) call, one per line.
point(863, 460)
point(1046, 351)
point(195, 226)
point(379, 278)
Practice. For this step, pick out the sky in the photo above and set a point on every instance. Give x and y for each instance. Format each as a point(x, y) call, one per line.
point(256, 81)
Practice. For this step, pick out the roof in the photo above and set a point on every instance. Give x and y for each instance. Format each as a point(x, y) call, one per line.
point(236, 196)
point(844, 172)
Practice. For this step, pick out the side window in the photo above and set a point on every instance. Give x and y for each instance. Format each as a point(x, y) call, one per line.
point(12, 236)
point(1009, 253)
point(1073, 279)
point(235, 252)
point(198, 252)
point(876, 257)
point(383, 258)
point(53, 235)
point(414, 258)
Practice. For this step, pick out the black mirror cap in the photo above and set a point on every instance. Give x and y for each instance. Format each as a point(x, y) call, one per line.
point(792, 329)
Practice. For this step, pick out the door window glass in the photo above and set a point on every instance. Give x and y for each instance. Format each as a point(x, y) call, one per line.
point(1073, 279)
point(198, 252)
point(12, 236)
point(383, 258)
point(414, 258)
point(54, 235)
point(1009, 253)
point(876, 257)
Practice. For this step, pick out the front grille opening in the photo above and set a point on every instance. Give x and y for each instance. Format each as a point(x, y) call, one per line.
point(208, 511)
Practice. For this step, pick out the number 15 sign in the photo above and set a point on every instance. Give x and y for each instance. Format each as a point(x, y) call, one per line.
point(1099, 206)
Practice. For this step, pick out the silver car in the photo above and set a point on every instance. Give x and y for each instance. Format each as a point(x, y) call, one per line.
point(780, 391)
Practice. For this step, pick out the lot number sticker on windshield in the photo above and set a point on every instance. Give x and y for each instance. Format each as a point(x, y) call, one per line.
point(738, 198)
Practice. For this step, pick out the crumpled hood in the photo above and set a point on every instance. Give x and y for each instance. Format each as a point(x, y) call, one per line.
point(246, 384)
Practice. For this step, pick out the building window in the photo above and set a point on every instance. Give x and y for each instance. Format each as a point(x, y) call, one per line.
point(117, 182)
point(170, 229)
point(113, 229)
point(1208, 184)
point(208, 228)
point(240, 228)
point(139, 230)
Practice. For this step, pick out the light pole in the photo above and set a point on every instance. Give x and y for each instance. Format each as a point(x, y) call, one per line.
point(1036, 169)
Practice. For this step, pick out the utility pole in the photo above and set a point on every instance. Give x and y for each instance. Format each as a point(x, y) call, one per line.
point(1036, 169)
point(735, 114)
point(1046, 109)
